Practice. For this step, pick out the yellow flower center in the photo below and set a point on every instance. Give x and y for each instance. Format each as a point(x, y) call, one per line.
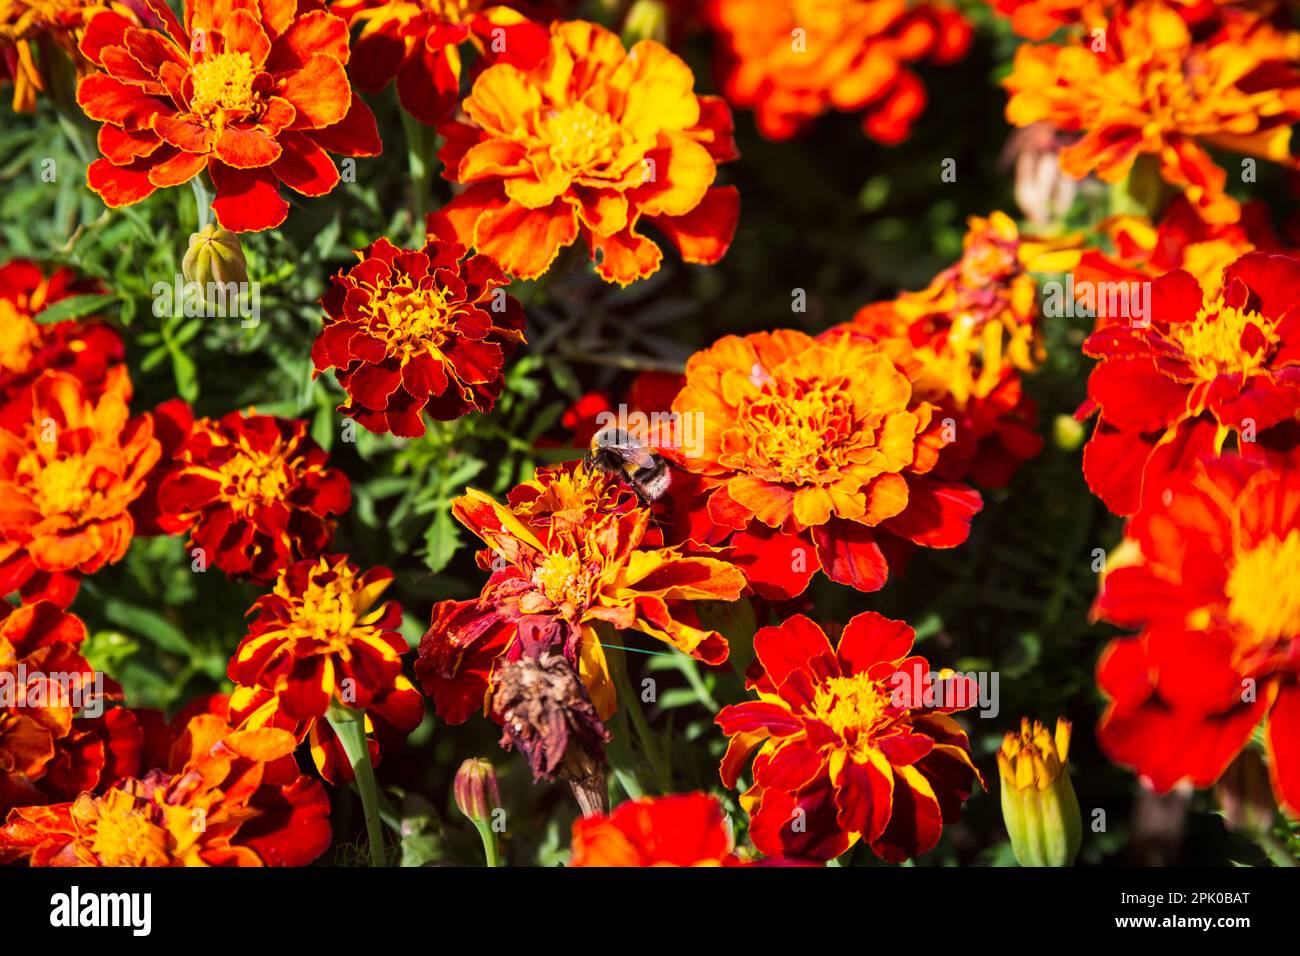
point(582, 140)
point(800, 432)
point(256, 478)
point(1217, 340)
point(62, 486)
point(564, 579)
point(127, 836)
point(327, 609)
point(223, 84)
point(1264, 591)
point(852, 706)
point(411, 320)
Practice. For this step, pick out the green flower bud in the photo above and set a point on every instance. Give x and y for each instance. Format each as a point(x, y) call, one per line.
point(214, 255)
point(1038, 802)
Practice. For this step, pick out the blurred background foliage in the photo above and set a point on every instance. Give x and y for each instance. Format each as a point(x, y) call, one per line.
point(831, 213)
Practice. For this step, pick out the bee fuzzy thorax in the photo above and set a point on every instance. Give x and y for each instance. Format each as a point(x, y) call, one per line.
point(617, 452)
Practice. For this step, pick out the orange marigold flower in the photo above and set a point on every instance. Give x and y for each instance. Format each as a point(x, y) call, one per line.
point(253, 91)
point(572, 550)
point(966, 340)
point(792, 60)
point(417, 331)
point(680, 830)
point(418, 43)
point(46, 752)
point(1152, 87)
point(255, 491)
point(28, 348)
point(853, 742)
point(595, 142)
point(225, 798)
point(1204, 367)
point(1039, 19)
point(1214, 589)
point(815, 454)
point(33, 33)
point(68, 477)
point(322, 636)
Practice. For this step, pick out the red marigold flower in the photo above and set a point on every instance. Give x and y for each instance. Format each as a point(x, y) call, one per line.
point(571, 551)
point(68, 477)
point(46, 753)
point(321, 636)
point(27, 348)
point(814, 454)
point(1203, 366)
point(792, 60)
point(225, 798)
point(966, 340)
point(418, 43)
point(255, 91)
point(1155, 87)
point(595, 141)
point(679, 830)
point(255, 491)
point(853, 742)
point(417, 331)
point(1211, 588)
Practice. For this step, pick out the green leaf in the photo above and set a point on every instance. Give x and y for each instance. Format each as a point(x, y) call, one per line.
point(74, 307)
point(148, 624)
point(441, 541)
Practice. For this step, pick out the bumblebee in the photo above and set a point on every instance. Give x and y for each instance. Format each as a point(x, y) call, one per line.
point(618, 453)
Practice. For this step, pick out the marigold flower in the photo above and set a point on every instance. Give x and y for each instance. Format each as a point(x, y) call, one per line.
point(255, 492)
point(570, 551)
point(417, 331)
point(34, 31)
point(792, 60)
point(1154, 88)
point(225, 798)
point(418, 43)
point(46, 752)
point(1205, 366)
point(594, 142)
point(968, 337)
point(1038, 802)
point(28, 348)
point(814, 453)
point(853, 742)
point(254, 92)
point(1211, 590)
point(68, 477)
point(1039, 19)
point(678, 830)
point(322, 636)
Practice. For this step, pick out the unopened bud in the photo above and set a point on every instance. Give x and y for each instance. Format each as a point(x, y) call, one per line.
point(1067, 432)
point(646, 20)
point(214, 255)
point(476, 790)
point(1038, 802)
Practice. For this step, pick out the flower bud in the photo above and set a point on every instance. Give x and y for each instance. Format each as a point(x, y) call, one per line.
point(476, 790)
point(646, 20)
point(1038, 802)
point(1067, 432)
point(214, 255)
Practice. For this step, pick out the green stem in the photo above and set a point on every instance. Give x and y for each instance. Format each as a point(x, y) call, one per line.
point(631, 704)
point(420, 142)
point(202, 200)
point(1278, 853)
point(491, 853)
point(350, 728)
